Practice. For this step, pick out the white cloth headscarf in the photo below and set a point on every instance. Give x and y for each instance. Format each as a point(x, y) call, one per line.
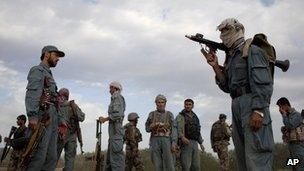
point(234, 31)
point(116, 85)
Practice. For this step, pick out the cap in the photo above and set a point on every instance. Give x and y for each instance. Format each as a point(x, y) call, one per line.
point(51, 48)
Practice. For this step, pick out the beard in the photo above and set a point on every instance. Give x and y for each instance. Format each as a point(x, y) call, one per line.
point(51, 62)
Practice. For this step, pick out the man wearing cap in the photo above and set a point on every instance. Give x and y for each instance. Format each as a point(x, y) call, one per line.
point(247, 78)
point(72, 114)
point(293, 131)
point(41, 102)
point(161, 125)
point(189, 134)
point(18, 143)
point(220, 136)
point(115, 158)
point(132, 137)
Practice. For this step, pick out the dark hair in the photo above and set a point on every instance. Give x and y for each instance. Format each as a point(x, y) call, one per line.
point(189, 100)
point(283, 101)
point(22, 117)
point(42, 56)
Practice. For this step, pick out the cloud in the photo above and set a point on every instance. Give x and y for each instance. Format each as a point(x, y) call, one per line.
point(143, 46)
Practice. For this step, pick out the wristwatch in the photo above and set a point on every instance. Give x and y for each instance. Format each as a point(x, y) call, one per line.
point(260, 113)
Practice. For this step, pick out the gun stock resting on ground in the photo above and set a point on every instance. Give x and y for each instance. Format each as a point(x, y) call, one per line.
point(214, 46)
point(99, 157)
point(78, 129)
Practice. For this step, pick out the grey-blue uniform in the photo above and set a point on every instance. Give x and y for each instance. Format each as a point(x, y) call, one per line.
point(248, 80)
point(296, 148)
point(69, 144)
point(160, 145)
point(45, 158)
point(115, 157)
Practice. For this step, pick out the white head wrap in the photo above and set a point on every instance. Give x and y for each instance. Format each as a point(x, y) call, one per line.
point(116, 85)
point(235, 31)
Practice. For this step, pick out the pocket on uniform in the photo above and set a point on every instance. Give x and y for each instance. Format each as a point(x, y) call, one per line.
point(241, 71)
point(261, 75)
point(117, 145)
point(263, 139)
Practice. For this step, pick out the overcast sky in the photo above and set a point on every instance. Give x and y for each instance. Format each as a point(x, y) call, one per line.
point(142, 45)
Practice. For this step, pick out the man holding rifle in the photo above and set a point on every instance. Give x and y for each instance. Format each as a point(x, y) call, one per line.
point(248, 80)
point(115, 157)
point(18, 143)
point(72, 115)
point(42, 111)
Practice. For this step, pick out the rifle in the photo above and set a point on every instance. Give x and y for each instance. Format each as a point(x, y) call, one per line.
point(99, 157)
point(78, 129)
point(37, 133)
point(214, 46)
point(7, 146)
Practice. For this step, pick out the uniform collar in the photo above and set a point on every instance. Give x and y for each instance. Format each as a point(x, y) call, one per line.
point(47, 68)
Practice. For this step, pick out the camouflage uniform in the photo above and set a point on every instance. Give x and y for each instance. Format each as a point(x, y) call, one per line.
point(132, 137)
point(220, 135)
point(18, 147)
point(70, 143)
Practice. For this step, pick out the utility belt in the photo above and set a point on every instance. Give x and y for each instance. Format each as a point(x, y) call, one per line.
point(295, 135)
point(120, 120)
point(161, 130)
point(240, 91)
point(221, 139)
point(161, 134)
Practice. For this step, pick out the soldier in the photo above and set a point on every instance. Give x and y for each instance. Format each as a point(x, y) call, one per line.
point(247, 78)
point(132, 138)
point(72, 115)
point(41, 101)
point(115, 157)
point(18, 143)
point(293, 131)
point(189, 133)
point(220, 136)
point(161, 125)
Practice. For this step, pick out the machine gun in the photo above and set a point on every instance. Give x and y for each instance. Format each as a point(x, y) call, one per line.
point(99, 157)
point(257, 40)
point(7, 145)
point(78, 129)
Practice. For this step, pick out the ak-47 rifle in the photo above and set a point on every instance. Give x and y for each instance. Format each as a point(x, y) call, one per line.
point(7, 145)
point(99, 157)
point(37, 132)
point(78, 129)
point(214, 46)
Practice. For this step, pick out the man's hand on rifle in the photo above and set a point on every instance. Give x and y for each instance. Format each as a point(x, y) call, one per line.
point(62, 131)
point(7, 140)
point(202, 147)
point(103, 119)
point(185, 140)
point(33, 123)
point(210, 57)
